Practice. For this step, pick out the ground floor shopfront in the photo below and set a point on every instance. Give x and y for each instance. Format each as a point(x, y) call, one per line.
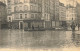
point(35, 24)
point(3, 25)
point(16, 24)
point(22, 24)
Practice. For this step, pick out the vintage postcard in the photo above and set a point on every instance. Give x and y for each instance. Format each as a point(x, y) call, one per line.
point(39, 25)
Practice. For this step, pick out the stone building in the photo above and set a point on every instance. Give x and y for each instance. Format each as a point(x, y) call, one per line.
point(78, 13)
point(62, 14)
point(70, 14)
point(50, 13)
point(3, 15)
point(29, 11)
point(57, 13)
point(46, 15)
point(21, 10)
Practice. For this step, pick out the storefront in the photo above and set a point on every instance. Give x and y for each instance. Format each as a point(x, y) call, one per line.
point(33, 24)
point(16, 24)
point(48, 24)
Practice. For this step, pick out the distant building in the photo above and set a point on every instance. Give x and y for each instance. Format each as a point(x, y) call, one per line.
point(70, 14)
point(62, 14)
point(78, 12)
point(48, 12)
point(57, 13)
point(3, 15)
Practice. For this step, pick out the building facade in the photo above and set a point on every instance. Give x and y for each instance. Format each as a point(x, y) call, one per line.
point(3, 15)
point(47, 11)
point(57, 13)
point(62, 14)
point(20, 10)
point(78, 13)
point(70, 14)
point(50, 13)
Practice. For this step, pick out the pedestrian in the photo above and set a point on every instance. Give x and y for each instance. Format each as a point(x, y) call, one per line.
point(73, 27)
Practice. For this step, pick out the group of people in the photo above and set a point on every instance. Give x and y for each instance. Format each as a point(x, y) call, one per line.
point(73, 26)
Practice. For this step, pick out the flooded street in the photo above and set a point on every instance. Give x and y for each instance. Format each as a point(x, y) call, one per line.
point(38, 39)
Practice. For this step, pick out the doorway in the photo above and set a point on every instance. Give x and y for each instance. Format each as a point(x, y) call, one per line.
point(29, 25)
point(21, 25)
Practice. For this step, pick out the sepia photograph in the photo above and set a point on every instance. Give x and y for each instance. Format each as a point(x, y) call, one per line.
point(39, 25)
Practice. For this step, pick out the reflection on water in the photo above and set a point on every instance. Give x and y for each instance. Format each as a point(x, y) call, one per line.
point(76, 38)
point(38, 39)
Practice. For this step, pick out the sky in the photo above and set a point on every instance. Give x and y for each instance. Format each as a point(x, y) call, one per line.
point(69, 1)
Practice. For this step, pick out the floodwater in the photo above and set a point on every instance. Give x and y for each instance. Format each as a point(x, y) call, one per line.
point(38, 39)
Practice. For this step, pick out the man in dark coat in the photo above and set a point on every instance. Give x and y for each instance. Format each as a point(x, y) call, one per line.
point(73, 27)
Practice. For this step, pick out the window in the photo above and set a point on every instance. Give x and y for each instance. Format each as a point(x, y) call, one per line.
point(32, 15)
point(20, 8)
point(9, 6)
point(35, 15)
point(9, 11)
point(14, 8)
point(20, 16)
point(9, 18)
point(25, 7)
point(25, 15)
point(31, 7)
point(16, 16)
point(40, 9)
